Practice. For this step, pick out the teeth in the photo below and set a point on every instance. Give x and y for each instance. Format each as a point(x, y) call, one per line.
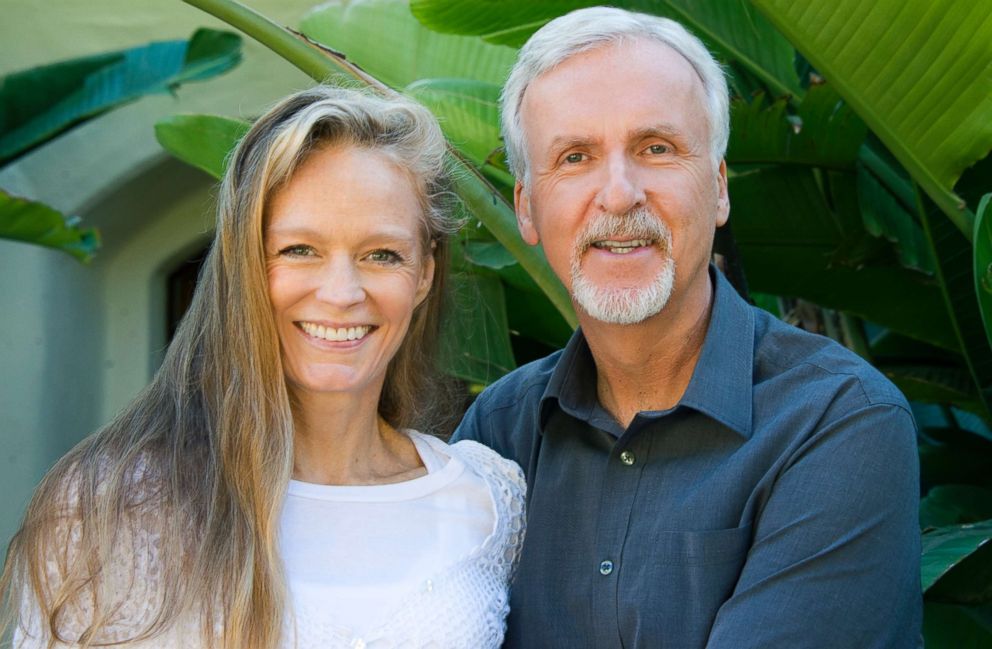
point(622, 247)
point(339, 334)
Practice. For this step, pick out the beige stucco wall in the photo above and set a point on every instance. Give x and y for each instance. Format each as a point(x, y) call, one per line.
point(76, 342)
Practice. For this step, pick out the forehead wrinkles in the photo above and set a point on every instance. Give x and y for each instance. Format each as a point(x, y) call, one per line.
point(605, 73)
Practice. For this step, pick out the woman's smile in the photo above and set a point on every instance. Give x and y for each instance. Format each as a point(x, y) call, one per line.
point(335, 334)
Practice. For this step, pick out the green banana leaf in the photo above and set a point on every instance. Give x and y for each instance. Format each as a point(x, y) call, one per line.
point(956, 566)
point(39, 104)
point(529, 313)
point(531, 317)
point(885, 217)
point(949, 626)
point(384, 38)
point(731, 27)
point(983, 262)
point(860, 247)
point(934, 383)
point(488, 254)
point(954, 267)
point(475, 345)
point(888, 346)
point(468, 111)
point(954, 456)
point(37, 223)
point(506, 23)
point(916, 71)
point(825, 132)
point(202, 141)
point(789, 243)
point(955, 504)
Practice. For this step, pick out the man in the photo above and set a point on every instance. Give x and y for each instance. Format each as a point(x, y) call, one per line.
point(700, 474)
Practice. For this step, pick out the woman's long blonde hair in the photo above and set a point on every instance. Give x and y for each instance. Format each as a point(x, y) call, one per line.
point(202, 457)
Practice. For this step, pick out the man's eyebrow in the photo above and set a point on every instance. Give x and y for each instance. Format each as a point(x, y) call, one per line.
point(562, 142)
point(656, 130)
point(661, 129)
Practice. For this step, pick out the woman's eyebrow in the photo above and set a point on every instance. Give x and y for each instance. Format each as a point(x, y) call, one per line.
point(291, 231)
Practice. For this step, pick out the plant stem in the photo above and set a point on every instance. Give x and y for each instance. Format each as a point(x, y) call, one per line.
point(481, 198)
point(308, 58)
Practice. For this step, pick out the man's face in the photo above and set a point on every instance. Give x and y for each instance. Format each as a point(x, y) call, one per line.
point(622, 189)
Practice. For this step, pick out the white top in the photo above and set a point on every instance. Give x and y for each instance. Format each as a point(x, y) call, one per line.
point(374, 566)
point(421, 563)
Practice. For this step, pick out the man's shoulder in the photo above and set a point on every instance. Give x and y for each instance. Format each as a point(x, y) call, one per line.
point(506, 415)
point(792, 359)
point(523, 386)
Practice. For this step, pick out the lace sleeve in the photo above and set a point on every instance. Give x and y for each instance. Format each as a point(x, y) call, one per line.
point(509, 488)
point(61, 551)
point(123, 589)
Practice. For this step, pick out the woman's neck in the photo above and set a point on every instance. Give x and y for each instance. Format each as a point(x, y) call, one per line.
point(341, 440)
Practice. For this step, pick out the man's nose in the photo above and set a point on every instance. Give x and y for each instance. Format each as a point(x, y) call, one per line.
point(341, 284)
point(621, 189)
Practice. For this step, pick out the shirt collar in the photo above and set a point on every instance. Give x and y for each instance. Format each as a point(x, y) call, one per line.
point(722, 381)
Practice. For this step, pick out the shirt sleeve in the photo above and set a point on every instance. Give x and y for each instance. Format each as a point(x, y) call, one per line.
point(32, 629)
point(835, 560)
point(471, 427)
point(127, 586)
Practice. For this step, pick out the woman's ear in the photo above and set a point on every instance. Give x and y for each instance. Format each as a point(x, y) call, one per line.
point(426, 276)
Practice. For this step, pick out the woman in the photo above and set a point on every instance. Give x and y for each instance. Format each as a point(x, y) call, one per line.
point(263, 491)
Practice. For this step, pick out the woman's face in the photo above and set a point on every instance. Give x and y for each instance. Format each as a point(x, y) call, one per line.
point(345, 267)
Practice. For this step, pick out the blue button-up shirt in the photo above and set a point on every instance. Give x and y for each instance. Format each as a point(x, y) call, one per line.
point(775, 506)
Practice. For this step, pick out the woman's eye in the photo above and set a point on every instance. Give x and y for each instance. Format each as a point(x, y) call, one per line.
point(384, 257)
point(297, 250)
point(575, 158)
point(658, 149)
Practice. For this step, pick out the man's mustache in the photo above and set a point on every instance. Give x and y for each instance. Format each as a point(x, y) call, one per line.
point(639, 223)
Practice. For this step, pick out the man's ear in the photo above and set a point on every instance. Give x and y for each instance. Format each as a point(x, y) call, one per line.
point(723, 198)
point(521, 205)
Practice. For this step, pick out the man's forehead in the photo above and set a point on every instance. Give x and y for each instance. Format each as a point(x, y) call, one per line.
point(627, 54)
point(629, 87)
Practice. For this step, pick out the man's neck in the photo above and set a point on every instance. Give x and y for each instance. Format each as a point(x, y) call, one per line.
point(648, 366)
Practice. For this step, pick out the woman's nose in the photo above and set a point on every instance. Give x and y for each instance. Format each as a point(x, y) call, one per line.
point(341, 284)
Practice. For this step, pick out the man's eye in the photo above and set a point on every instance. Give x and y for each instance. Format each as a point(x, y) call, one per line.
point(658, 149)
point(385, 257)
point(575, 158)
point(298, 250)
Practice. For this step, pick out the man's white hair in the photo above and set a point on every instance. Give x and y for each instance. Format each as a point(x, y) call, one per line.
point(587, 29)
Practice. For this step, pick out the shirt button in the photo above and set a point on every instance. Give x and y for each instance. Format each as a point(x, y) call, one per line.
point(606, 567)
point(628, 458)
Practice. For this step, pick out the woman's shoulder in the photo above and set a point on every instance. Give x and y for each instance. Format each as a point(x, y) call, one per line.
point(508, 491)
point(505, 479)
point(485, 462)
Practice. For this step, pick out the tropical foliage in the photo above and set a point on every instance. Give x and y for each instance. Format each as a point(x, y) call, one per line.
point(858, 160)
point(39, 104)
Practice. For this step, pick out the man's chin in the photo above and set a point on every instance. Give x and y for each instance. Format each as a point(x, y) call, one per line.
point(622, 306)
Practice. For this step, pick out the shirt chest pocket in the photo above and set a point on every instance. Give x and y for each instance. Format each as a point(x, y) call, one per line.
point(672, 583)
